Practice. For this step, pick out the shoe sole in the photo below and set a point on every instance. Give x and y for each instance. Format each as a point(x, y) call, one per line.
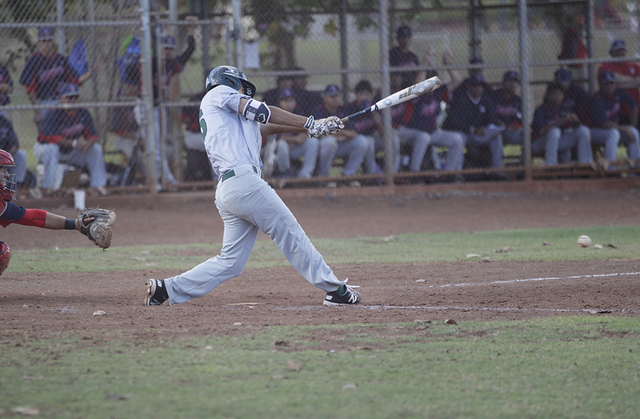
point(329, 303)
point(151, 289)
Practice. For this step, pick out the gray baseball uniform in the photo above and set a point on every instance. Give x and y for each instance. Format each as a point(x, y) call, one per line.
point(246, 204)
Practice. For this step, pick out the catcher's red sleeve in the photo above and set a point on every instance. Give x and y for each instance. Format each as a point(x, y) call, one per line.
point(33, 217)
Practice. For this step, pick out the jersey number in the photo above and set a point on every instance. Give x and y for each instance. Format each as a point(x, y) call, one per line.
point(203, 126)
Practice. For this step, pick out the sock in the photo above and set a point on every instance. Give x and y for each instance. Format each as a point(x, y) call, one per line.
point(341, 289)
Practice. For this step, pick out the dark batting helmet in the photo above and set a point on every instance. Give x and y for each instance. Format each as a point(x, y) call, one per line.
point(229, 76)
point(7, 180)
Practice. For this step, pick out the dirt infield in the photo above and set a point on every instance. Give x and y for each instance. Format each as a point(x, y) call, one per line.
point(461, 291)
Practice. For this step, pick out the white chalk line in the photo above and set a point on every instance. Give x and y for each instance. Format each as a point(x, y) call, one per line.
point(512, 281)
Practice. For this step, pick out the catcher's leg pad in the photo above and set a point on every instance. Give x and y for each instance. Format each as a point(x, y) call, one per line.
point(98, 230)
point(5, 256)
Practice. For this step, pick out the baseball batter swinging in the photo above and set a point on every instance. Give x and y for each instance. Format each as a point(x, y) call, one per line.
point(232, 125)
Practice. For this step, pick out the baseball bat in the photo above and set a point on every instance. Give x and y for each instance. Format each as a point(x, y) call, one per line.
point(401, 96)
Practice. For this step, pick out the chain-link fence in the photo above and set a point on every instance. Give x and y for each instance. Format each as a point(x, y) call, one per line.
point(93, 106)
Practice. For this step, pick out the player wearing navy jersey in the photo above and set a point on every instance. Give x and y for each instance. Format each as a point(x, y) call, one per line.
point(422, 115)
point(232, 125)
point(472, 114)
point(557, 130)
point(290, 146)
point(69, 136)
point(369, 126)
point(606, 109)
point(11, 213)
point(509, 108)
point(346, 144)
point(45, 71)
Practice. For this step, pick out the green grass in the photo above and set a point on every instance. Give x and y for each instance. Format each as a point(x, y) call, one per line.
point(527, 245)
point(571, 367)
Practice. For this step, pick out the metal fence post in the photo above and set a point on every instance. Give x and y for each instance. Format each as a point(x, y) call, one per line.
point(386, 113)
point(527, 110)
point(147, 97)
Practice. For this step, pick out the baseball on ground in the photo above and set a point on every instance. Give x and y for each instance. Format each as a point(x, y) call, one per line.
point(584, 241)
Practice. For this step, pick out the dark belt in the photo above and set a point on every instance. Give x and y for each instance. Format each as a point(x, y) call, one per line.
point(231, 174)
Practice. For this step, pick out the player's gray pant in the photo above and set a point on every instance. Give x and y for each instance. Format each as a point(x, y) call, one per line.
point(632, 144)
point(50, 156)
point(353, 152)
point(558, 142)
point(20, 158)
point(419, 142)
point(492, 138)
point(452, 140)
point(609, 138)
point(248, 204)
point(512, 137)
point(286, 152)
point(379, 146)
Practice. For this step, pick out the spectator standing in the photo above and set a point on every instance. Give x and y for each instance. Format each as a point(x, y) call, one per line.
point(472, 114)
point(607, 129)
point(346, 144)
point(68, 135)
point(509, 108)
point(627, 75)
point(368, 125)
point(290, 146)
point(557, 130)
point(402, 56)
point(172, 66)
point(44, 73)
point(306, 100)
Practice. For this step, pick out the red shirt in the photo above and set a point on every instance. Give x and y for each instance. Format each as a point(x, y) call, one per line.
point(629, 69)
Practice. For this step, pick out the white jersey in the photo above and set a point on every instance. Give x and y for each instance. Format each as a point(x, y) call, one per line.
point(229, 138)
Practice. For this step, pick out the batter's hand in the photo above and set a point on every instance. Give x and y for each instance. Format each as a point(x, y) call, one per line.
point(333, 124)
point(315, 128)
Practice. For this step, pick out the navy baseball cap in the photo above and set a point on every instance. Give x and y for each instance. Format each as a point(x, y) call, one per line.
point(562, 76)
point(476, 79)
point(332, 90)
point(606, 77)
point(69, 89)
point(511, 75)
point(476, 60)
point(403, 32)
point(45, 34)
point(286, 92)
point(169, 42)
point(617, 44)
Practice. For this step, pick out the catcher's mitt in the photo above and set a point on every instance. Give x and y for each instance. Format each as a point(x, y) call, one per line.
point(96, 223)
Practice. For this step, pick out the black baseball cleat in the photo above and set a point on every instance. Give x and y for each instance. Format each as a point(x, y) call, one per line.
point(349, 297)
point(156, 293)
